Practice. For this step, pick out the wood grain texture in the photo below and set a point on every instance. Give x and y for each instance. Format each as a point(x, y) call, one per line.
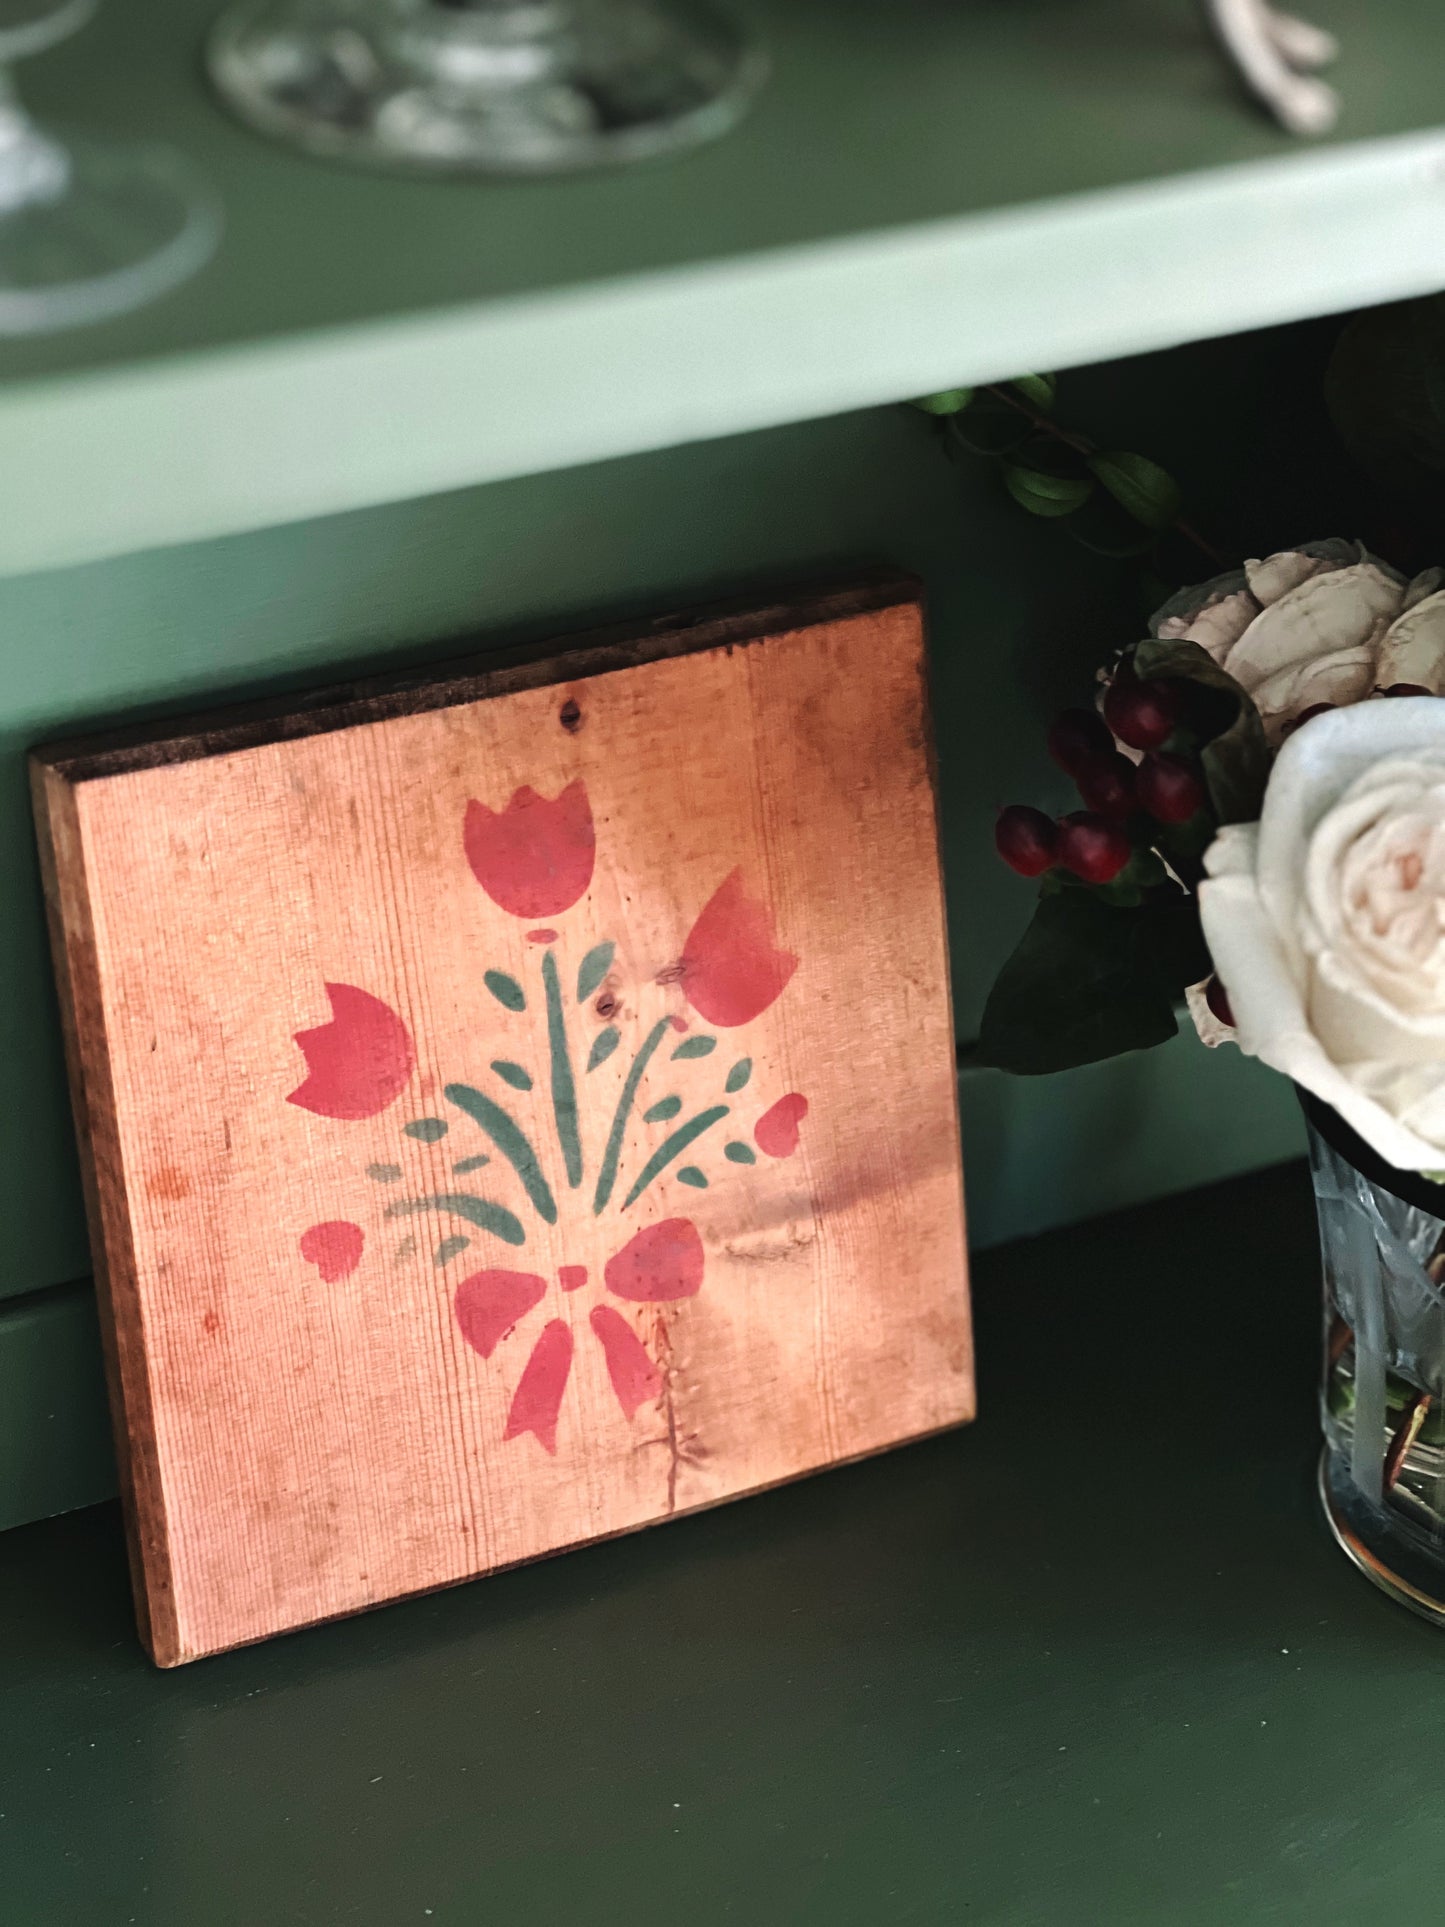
point(434, 1233)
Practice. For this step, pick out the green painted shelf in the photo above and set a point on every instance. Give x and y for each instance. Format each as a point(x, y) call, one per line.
point(929, 191)
point(1089, 1663)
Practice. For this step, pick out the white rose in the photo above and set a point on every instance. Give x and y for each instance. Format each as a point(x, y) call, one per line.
point(1323, 624)
point(1326, 922)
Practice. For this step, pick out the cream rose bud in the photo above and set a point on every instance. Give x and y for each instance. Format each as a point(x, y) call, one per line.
point(1325, 624)
point(1326, 922)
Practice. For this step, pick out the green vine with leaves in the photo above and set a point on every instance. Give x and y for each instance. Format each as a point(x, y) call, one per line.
point(1114, 502)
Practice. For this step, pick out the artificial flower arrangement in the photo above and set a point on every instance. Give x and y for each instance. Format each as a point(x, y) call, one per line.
point(1263, 837)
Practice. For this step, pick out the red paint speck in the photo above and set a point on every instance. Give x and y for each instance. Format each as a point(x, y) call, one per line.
point(359, 1062)
point(663, 1261)
point(538, 1398)
point(776, 1131)
point(334, 1248)
point(678, 1023)
point(541, 936)
point(572, 1277)
point(731, 967)
point(635, 1378)
point(489, 1303)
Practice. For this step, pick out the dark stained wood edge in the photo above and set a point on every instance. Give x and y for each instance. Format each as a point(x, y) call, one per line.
point(92, 1098)
point(478, 676)
point(929, 747)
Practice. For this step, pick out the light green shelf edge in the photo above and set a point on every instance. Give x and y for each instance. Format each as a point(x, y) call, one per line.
point(1038, 1153)
point(179, 451)
point(924, 195)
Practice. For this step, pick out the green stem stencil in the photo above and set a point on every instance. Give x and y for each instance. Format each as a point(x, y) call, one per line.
point(672, 1147)
point(607, 1176)
point(603, 1045)
point(512, 1142)
point(507, 991)
point(594, 967)
point(564, 1088)
point(465, 1204)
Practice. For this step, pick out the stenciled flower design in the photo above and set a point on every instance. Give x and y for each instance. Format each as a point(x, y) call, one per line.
point(732, 968)
point(535, 858)
point(661, 1263)
point(334, 1248)
point(776, 1131)
point(358, 1063)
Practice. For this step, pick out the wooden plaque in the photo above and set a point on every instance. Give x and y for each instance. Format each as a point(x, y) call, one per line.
point(518, 1106)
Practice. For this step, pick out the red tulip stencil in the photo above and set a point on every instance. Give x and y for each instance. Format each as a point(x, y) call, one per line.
point(534, 858)
point(357, 1064)
point(732, 966)
point(684, 1112)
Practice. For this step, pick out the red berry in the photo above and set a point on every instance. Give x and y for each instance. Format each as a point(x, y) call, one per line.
point(1027, 840)
point(1306, 716)
point(1107, 784)
point(1170, 787)
point(1141, 714)
point(1092, 847)
point(1078, 737)
point(1408, 689)
point(1217, 998)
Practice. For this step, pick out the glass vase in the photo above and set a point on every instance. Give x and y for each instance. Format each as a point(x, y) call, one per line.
point(1382, 1474)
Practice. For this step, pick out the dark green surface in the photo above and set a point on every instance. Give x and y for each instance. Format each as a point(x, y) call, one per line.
point(880, 113)
point(55, 1449)
point(1092, 1661)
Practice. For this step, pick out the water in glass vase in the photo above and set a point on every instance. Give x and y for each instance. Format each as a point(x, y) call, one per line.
point(1382, 1476)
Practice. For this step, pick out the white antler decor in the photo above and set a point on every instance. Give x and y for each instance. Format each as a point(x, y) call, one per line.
point(1276, 56)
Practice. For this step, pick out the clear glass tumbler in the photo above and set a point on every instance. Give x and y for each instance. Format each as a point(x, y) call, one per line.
point(1382, 1476)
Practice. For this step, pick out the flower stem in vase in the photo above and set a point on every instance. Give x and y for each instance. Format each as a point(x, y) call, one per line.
point(1407, 1430)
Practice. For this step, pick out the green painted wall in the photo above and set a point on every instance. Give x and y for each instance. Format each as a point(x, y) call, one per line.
point(1018, 614)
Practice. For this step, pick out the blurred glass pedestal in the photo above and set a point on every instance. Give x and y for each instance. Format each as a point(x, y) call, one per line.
point(504, 86)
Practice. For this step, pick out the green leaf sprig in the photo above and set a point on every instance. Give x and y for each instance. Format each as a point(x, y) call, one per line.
point(1114, 502)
